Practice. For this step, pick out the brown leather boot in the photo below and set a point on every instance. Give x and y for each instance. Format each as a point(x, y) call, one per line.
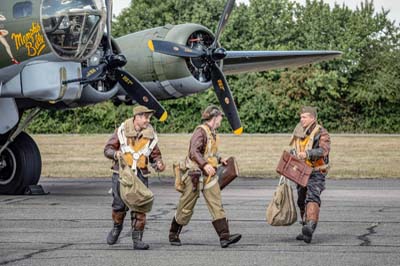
point(312, 217)
point(118, 219)
point(174, 232)
point(300, 236)
point(222, 229)
point(137, 231)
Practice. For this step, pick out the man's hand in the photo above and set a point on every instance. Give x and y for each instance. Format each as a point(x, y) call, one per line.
point(302, 155)
point(117, 155)
point(224, 161)
point(160, 165)
point(209, 169)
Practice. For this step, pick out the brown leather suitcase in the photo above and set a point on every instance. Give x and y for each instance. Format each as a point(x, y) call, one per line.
point(227, 173)
point(294, 169)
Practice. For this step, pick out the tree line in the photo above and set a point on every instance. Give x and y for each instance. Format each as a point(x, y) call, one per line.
point(359, 92)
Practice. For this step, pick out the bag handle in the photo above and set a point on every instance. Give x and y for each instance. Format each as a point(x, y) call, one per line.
point(282, 180)
point(121, 161)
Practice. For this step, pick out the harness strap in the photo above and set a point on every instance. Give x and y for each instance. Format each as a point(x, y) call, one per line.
point(308, 146)
point(312, 136)
point(125, 148)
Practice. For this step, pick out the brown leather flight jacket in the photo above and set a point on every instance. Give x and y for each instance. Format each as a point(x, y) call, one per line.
point(198, 144)
point(321, 145)
point(113, 145)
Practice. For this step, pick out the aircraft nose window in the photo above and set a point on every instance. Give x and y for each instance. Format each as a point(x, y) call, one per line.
point(74, 28)
point(22, 9)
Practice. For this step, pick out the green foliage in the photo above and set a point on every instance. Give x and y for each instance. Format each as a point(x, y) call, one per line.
point(357, 93)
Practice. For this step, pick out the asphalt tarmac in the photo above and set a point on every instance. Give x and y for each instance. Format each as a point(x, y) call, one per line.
point(359, 225)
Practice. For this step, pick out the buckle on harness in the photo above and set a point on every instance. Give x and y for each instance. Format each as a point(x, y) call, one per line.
point(136, 156)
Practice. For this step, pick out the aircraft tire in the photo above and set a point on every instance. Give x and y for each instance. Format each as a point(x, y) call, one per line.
point(20, 165)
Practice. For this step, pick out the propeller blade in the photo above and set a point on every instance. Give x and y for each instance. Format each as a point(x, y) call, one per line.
point(140, 94)
point(225, 98)
point(93, 72)
point(222, 21)
point(109, 17)
point(174, 49)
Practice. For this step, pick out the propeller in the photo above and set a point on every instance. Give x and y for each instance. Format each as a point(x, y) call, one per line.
point(225, 98)
point(111, 67)
point(222, 21)
point(209, 56)
point(141, 95)
point(174, 49)
point(108, 25)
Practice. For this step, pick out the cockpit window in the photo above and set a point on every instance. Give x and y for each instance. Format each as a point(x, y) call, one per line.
point(74, 28)
point(22, 9)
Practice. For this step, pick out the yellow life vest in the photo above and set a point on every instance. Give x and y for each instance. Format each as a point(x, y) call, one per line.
point(302, 145)
point(136, 151)
point(211, 150)
point(210, 155)
point(136, 146)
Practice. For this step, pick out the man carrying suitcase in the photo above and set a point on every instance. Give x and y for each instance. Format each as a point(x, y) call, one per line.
point(202, 162)
point(311, 143)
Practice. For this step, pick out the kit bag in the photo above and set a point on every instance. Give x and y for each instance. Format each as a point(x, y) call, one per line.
point(294, 169)
point(134, 193)
point(281, 211)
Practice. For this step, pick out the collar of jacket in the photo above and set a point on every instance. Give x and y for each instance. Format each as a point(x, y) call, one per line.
point(130, 131)
point(213, 132)
point(300, 132)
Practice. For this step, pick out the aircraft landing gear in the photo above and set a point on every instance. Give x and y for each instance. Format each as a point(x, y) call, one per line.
point(20, 160)
point(20, 165)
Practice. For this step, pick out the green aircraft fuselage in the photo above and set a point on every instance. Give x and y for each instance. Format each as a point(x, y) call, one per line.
point(21, 32)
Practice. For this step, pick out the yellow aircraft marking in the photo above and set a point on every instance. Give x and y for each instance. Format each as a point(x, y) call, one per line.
point(127, 80)
point(221, 85)
point(33, 40)
point(164, 116)
point(150, 45)
point(91, 72)
point(238, 131)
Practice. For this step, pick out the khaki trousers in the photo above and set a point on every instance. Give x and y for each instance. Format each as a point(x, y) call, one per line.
point(189, 198)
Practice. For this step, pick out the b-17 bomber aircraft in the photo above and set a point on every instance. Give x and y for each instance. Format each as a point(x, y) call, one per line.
point(59, 54)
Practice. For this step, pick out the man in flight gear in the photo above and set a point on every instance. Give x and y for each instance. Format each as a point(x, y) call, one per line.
point(311, 143)
point(137, 136)
point(201, 163)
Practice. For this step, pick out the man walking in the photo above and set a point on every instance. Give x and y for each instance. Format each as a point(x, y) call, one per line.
point(311, 143)
point(202, 162)
point(136, 142)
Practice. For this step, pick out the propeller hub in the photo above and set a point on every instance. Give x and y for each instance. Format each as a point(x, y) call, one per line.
point(116, 60)
point(218, 54)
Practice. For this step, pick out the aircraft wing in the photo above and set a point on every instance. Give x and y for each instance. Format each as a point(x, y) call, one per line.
point(237, 62)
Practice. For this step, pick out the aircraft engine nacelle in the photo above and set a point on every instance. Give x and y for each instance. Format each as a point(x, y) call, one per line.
point(168, 76)
point(43, 81)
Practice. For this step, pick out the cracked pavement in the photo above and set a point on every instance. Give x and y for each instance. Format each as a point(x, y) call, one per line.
point(359, 225)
